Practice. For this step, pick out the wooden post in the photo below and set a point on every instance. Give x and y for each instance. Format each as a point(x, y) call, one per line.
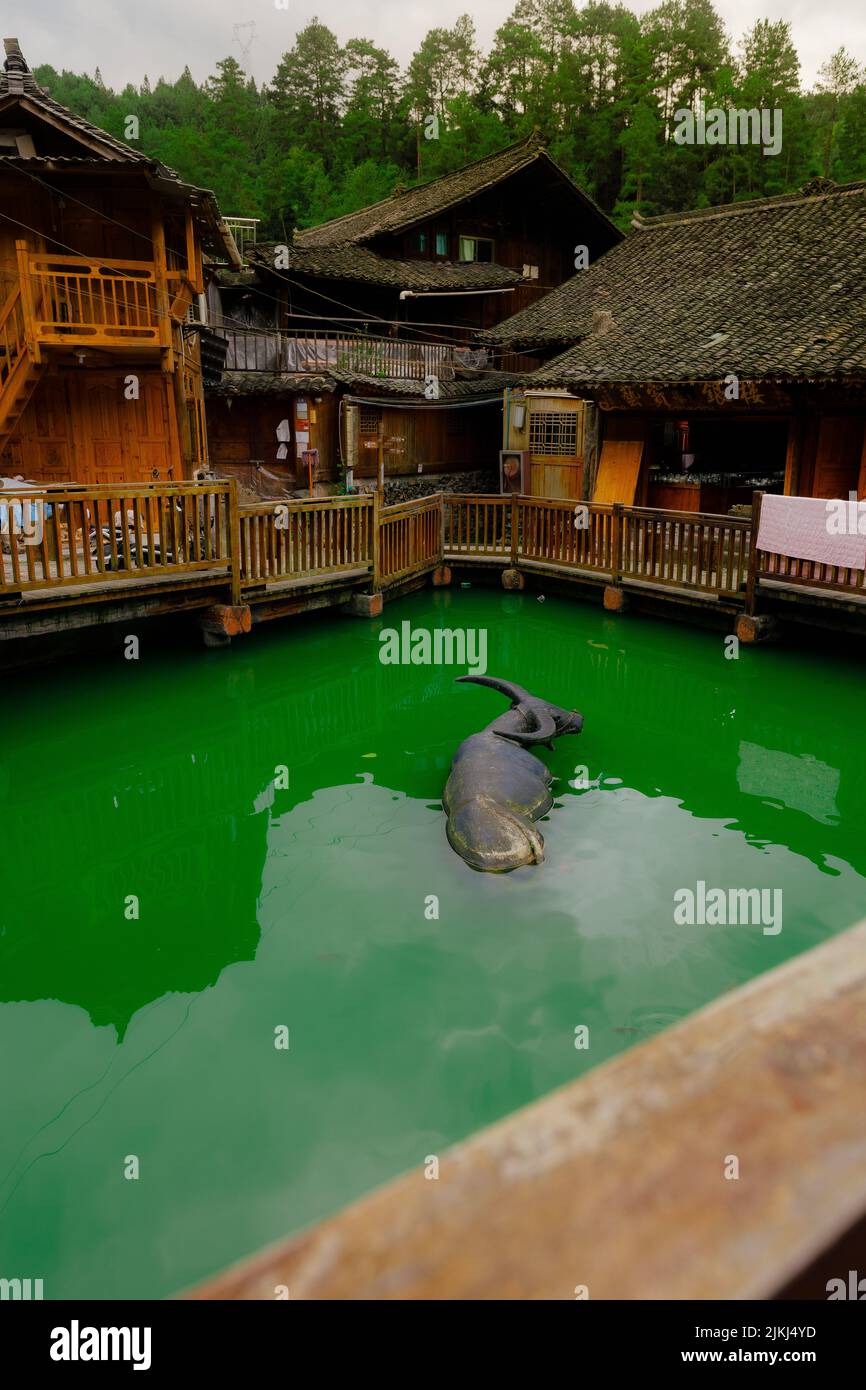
point(442, 528)
point(193, 261)
point(515, 517)
point(375, 539)
point(616, 543)
point(752, 576)
point(160, 264)
point(235, 540)
point(27, 311)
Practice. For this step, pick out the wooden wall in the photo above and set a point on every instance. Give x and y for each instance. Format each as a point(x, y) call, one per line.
point(833, 455)
point(440, 440)
point(79, 426)
point(243, 429)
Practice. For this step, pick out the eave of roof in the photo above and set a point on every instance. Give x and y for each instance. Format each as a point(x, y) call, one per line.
point(234, 383)
point(351, 262)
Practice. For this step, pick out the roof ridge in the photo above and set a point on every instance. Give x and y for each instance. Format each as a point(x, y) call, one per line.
point(671, 219)
point(532, 143)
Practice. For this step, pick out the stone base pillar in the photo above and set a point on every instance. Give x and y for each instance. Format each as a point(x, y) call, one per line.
point(751, 628)
point(223, 621)
point(365, 605)
point(513, 579)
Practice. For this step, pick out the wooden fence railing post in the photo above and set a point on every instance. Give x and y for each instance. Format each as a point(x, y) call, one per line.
point(515, 515)
point(752, 574)
point(376, 524)
point(616, 543)
point(235, 540)
point(27, 306)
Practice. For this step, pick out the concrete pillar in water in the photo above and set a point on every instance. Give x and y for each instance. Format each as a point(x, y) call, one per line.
point(365, 605)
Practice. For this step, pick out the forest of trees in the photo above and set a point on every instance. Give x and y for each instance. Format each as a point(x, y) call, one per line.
point(340, 126)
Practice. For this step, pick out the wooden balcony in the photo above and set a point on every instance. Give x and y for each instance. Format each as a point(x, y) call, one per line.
point(76, 301)
point(250, 350)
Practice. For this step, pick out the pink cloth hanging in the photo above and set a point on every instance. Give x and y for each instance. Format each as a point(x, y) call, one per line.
point(801, 527)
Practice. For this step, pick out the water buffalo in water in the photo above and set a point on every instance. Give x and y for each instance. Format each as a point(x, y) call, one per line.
point(496, 788)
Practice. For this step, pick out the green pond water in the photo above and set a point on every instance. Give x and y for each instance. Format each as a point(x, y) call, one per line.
point(153, 1038)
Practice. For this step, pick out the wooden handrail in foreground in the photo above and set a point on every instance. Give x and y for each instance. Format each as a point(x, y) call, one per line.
point(410, 538)
point(301, 539)
point(64, 537)
point(616, 1183)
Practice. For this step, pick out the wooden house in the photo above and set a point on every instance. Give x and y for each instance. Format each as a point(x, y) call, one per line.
point(101, 264)
point(725, 350)
point(356, 343)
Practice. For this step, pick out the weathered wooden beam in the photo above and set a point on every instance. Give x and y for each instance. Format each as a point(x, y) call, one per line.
point(617, 1183)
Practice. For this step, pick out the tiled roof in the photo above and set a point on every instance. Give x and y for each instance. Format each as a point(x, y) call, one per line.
point(351, 262)
point(490, 384)
point(415, 204)
point(236, 383)
point(268, 384)
point(763, 289)
point(18, 83)
point(20, 91)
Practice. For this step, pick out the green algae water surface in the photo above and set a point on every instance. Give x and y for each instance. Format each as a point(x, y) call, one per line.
point(227, 1005)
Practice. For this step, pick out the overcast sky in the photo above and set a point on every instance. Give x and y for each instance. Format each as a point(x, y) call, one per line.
point(126, 38)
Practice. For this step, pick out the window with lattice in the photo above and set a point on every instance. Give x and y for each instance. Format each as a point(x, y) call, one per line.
point(369, 420)
point(552, 432)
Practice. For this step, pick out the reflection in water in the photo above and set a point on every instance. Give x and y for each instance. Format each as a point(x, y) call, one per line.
point(260, 906)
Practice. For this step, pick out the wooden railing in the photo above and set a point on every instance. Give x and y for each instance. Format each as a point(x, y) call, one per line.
point(683, 550)
point(66, 537)
point(566, 533)
point(691, 550)
point(13, 337)
point(76, 298)
point(293, 540)
point(477, 525)
point(410, 538)
point(92, 300)
point(810, 574)
point(252, 350)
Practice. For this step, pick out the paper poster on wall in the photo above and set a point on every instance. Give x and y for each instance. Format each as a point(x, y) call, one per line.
point(302, 439)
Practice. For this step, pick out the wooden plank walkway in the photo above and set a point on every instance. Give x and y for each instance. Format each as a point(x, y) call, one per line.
point(616, 1183)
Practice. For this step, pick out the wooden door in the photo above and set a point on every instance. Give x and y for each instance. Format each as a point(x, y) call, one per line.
point(555, 447)
point(620, 462)
point(839, 456)
point(42, 447)
point(124, 440)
